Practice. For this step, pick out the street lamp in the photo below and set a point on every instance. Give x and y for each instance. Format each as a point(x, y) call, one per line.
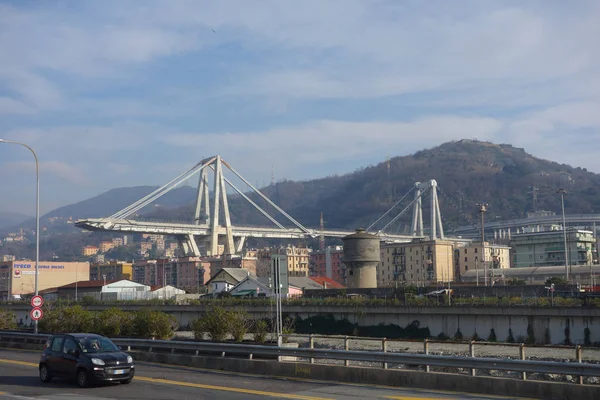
point(482, 210)
point(37, 216)
point(562, 193)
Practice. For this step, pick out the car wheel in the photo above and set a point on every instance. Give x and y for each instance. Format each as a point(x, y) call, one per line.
point(126, 382)
point(82, 378)
point(45, 375)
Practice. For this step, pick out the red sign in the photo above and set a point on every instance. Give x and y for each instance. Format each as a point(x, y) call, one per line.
point(36, 314)
point(37, 301)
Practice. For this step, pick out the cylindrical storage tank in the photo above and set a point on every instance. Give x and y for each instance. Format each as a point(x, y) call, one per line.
point(361, 256)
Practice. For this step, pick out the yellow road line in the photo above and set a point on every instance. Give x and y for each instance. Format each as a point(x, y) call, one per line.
point(197, 385)
point(27, 364)
point(413, 398)
point(227, 389)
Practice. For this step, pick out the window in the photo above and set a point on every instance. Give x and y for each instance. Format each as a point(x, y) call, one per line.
point(69, 345)
point(465, 259)
point(475, 250)
point(466, 251)
point(57, 344)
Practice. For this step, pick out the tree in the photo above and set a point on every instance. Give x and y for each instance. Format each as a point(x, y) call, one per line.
point(556, 280)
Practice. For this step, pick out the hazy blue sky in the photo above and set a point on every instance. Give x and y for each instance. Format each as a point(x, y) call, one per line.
point(123, 93)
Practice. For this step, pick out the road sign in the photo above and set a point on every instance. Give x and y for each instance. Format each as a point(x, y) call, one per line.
point(36, 313)
point(37, 301)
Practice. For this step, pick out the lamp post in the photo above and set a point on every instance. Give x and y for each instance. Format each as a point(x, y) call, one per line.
point(562, 193)
point(37, 216)
point(482, 210)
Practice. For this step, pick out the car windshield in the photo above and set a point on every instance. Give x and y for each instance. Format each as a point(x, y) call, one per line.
point(97, 345)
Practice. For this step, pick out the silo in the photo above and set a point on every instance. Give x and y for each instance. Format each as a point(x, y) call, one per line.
point(361, 256)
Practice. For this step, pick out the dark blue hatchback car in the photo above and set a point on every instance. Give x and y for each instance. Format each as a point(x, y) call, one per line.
point(87, 357)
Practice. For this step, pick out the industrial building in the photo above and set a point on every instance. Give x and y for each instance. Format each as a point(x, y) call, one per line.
point(121, 289)
point(584, 275)
point(111, 271)
point(418, 263)
point(17, 278)
point(548, 248)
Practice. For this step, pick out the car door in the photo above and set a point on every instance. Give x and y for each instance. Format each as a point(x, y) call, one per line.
point(54, 354)
point(69, 357)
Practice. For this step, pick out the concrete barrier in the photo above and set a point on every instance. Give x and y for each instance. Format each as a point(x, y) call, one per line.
point(377, 376)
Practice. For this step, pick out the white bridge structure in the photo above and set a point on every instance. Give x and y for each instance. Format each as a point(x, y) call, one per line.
point(208, 230)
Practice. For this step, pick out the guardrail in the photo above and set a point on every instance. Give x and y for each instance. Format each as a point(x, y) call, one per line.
point(383, 358)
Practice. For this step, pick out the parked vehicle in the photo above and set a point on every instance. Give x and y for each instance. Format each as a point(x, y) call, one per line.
point(86, 357)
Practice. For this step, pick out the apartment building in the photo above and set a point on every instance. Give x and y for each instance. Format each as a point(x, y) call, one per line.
point(106, 246)
point(417, 263)
point(90, 250)
point(327, 263)
point(480, 256)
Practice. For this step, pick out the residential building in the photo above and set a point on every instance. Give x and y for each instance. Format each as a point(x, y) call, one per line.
point(106, 246)
point(18, 277)
point(486, 258)
point(186, 273)
point(420, 262)
point(7, 257)
point(225, 279)
point(548, 248)
point(247, 261)
point(327, 263)
point(90, 251)
point(145, 247)
point(118, 242)
point(112, 270)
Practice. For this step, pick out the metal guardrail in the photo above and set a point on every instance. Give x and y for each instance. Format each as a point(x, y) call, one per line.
point(524, 366)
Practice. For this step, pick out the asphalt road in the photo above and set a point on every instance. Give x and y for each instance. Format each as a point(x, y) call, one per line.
point(19, 380)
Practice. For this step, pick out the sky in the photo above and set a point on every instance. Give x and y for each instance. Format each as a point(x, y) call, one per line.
point(119, 93)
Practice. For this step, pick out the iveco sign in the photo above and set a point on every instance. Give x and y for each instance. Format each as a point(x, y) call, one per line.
point(41, 266)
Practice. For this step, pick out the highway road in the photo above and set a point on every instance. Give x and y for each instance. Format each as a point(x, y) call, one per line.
point(19, 380)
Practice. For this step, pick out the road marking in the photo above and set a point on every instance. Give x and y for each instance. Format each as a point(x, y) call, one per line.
point(27, 364)
point(228, 389)
point(414, 398)
point(197, 385)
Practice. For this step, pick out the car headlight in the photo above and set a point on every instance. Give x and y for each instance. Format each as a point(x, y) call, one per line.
point(97, 361)
point(129, 360)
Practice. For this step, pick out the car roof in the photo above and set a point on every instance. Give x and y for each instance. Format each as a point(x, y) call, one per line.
point(80, 335)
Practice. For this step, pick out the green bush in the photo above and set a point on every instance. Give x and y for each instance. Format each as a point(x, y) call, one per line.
point(64, 319)
point(215, 322)
point(511, 338)
point(458, 335)
point(492, 337)
point(260, 331)
point(240, 324)
point(8, 320)
point(114, 322)
point(154, 324)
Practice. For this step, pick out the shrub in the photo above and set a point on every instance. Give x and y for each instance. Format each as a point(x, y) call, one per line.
point(155, 324)
point(8, 319)
point(260, 331)
point(240, 324)
point(67, 319)
point(492, 337)
point(114, 322)
point(215, 322)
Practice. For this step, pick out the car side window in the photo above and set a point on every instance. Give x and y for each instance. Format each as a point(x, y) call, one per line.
point(57, 344)
point(69, 345)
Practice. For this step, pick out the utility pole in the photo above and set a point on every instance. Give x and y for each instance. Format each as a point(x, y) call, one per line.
point(482, 207)
point(562, 193)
